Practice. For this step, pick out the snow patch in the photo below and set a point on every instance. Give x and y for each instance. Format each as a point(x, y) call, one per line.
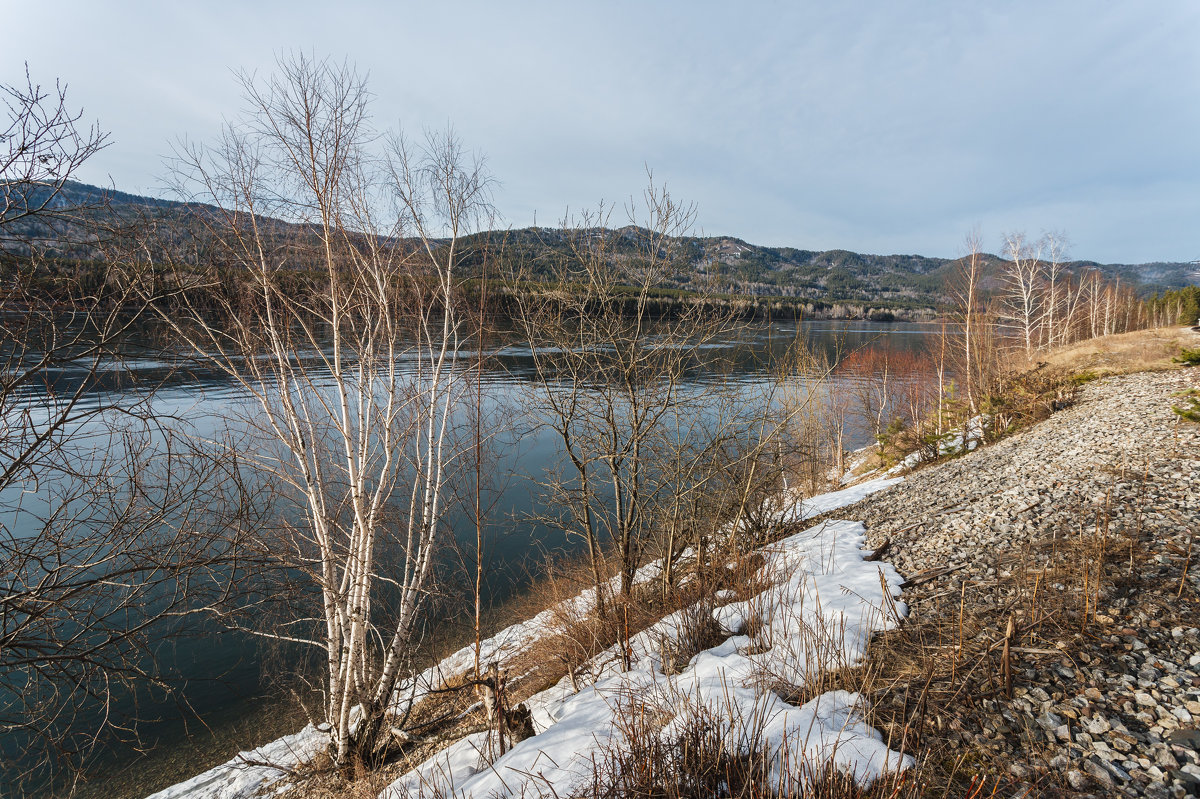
point(949, 444)
point(800, 508)
point(823, 603)
point(250, 772)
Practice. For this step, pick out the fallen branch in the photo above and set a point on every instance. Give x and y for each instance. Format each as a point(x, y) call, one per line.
point(926, 576)
point(879, 553)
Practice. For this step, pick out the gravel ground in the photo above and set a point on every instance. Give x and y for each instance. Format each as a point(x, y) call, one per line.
point(1080, 529)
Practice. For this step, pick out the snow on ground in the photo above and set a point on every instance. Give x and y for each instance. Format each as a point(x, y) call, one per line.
point(823, 602)
point(799, 509)
point(248, 773)
point(243, 776)
point(950, 444)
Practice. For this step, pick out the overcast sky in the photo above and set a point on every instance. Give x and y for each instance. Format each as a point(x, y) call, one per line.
point(882, 127)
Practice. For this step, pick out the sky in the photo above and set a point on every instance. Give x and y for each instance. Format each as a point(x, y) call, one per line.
point(885, 126)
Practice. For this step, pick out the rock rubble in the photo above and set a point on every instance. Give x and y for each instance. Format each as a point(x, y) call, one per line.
point(1081, 529)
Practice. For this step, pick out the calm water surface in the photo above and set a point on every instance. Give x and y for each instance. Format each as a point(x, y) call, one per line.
point(222, 675)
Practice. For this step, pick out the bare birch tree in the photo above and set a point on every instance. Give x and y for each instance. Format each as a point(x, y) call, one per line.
point(1022, 275)
point(1054, 308)
point(1093, 289)
point(1073, 294)
point(965, 287)
point(345, 333)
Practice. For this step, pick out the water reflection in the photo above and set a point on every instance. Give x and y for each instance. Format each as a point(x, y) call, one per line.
point(221, 671)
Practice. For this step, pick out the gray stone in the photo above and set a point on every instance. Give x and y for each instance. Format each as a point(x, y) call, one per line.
point(1156, 790)
point(1049, 721)
point(1164, 758)
point(1185, 737)
point(1118, 772)
point(1098, 772)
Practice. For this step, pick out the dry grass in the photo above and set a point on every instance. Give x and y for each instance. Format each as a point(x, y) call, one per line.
point(319, 779)
point(934, 680)
point(577, 636)
point(1124, 353)
point(722, 752)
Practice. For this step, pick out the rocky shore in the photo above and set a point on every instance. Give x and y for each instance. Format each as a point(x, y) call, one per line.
point(1079, 533)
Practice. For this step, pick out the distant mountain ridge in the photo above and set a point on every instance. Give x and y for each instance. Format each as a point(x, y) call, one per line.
point(723, 263)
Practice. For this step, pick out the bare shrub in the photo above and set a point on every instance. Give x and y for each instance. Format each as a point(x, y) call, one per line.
point(694, 631)
point(112, 529)
point(672, 747)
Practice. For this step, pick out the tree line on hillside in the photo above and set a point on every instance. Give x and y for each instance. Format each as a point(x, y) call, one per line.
point(790, 278)
point(1179, 307)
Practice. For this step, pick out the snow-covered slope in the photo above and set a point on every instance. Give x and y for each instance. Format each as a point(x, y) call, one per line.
point(823, 603)
point(819, 582)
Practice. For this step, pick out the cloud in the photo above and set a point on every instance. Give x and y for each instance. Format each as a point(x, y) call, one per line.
point(879, 126)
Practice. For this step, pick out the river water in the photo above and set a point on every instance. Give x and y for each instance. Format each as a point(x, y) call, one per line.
point(223, 698)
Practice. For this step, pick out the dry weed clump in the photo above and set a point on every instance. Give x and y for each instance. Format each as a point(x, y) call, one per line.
point(696, 630)
point(321, 778)
point(810, 659)
point(692, 760)
point(578, 632)
point(671, 747)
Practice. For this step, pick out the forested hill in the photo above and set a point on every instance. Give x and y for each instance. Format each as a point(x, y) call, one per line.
point(733, 266)
point(721, 263)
